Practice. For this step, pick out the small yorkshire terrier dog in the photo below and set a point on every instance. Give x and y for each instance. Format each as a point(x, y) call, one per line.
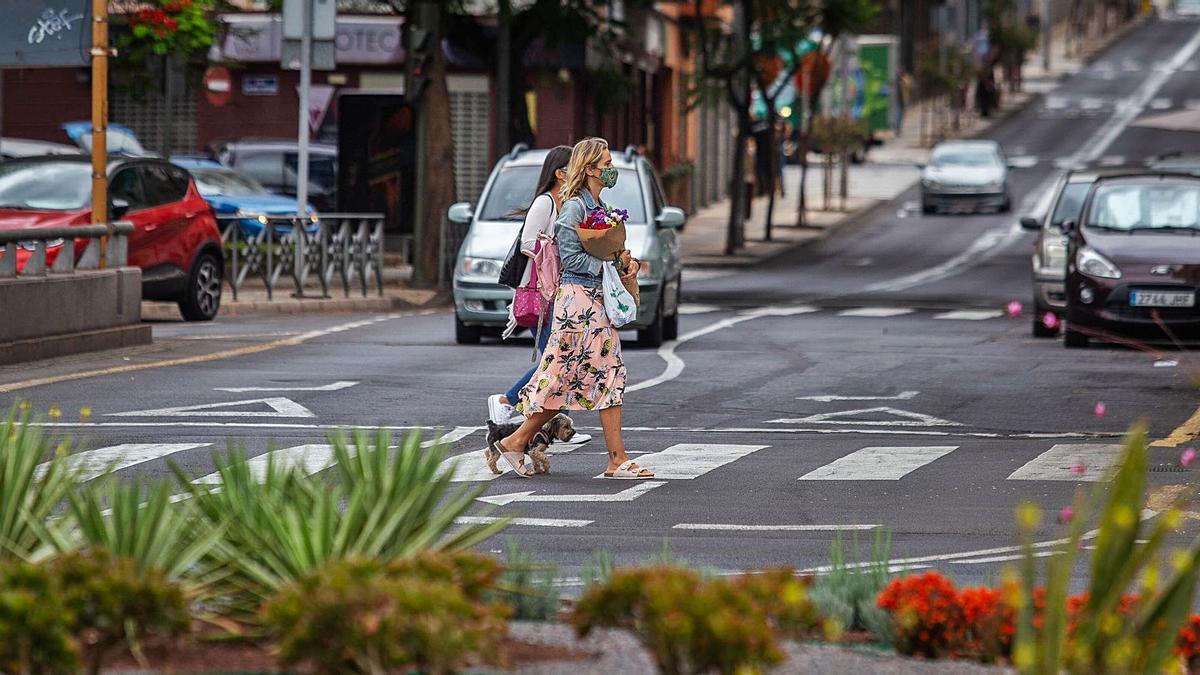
point(559, 428)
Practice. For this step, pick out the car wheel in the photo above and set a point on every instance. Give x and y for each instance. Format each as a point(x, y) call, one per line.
point(1075, 340)
point(464, 334)
point(1007, 205)
point(202, 300)
point(926, 207)
point(652, 335)
point(671, 324)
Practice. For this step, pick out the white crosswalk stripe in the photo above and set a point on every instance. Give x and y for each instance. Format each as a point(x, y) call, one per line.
point(876, 312)
point(1160, 104)
point(879, 463)
point(1071, 461)
point(308, 458)
point(92, 463)
point(970, 315)
point(692, 460)
point(1112, 160)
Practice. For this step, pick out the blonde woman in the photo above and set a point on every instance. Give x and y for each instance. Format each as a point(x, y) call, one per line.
point(581, 368)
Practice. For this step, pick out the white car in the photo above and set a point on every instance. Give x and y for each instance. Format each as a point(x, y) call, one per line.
point(965, 175)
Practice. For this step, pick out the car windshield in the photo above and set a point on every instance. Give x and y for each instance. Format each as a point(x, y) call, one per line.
point(964, 155)
point(45, 186)
point(513, 189)
point(226, 182)
point(1157, 206)
point(1070, 203)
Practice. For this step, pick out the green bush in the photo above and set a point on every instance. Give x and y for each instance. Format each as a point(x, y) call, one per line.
point(784, 598)
point(527, 587)
point(282, 525)
point(367, 616)
point(1108, 635)
point(688, 623)
point(28, 495)
point(35, 626)
point(115, 603)
point(845, 593)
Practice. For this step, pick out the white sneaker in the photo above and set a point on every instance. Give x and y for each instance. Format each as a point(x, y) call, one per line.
point(499, 411)
point(579, 439)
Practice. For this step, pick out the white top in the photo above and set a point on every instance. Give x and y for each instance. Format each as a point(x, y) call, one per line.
point(539, 220)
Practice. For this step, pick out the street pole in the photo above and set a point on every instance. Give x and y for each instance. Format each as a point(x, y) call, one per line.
point(504, 77)
point(1047, 29)
point(99, 55)
point(305, 87)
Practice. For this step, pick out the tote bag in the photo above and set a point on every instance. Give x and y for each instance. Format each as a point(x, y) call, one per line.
point(619, 305)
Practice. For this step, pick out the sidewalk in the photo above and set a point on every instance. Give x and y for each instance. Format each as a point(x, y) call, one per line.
point(890, 169)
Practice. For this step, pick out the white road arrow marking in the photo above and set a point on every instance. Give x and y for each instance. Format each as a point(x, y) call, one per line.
point(93, 463)
point(970, 315)
point(742, 527)
point(1056, 463)
point(308, 458)
point(686, 461)
point(876, 312)
point(627, 495)
point(903, 418)
point(341, 384)
point(280, 407)
point(879, 463)
point(829, 398)
point(531, 522)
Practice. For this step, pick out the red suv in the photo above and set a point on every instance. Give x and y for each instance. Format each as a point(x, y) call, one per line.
point(175, 238)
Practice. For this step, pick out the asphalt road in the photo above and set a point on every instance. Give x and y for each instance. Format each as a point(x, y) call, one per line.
point(869, 382)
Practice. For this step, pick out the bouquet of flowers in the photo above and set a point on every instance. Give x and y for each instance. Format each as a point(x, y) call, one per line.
point(602, 232)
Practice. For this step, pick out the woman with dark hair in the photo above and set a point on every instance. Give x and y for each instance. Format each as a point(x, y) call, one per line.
point(540, 217)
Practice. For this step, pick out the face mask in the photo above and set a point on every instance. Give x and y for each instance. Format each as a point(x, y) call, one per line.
point(608, 176)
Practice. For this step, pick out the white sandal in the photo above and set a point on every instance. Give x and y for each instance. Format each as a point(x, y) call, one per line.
point(516, 461)
point(629, 470)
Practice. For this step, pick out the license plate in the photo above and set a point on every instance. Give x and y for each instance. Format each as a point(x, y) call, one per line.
point(1160, 299)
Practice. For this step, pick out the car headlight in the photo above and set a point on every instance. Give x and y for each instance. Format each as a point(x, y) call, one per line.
point(32, 245)
point(481, 267)
point(252, 215)
point(1054, 258)
point(1090, 262)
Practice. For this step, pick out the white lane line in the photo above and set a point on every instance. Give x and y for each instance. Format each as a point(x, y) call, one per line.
point(530, 522)
point(1112, 160)
point(675, 364)
point(970, 315)
point(309, 459)
point(685, 461)
point(1023, 161)
point(279, 407)
point(829, 398)
point(336, 386)
point(627, 495)
point(894, 417)
point(742, 527)
point(876, 312)
point(1003, 558)
point(882, 463)
point(93, 463)
point(686, 309)
point(1092, 460)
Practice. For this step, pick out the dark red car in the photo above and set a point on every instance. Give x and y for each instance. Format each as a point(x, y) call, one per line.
point(1133, 260)
point(175, 238)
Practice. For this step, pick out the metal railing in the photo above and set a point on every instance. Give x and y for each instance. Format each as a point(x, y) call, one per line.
point(345, 246)
point(39, 240)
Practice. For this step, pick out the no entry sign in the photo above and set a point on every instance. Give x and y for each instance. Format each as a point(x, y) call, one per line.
point(218, 85)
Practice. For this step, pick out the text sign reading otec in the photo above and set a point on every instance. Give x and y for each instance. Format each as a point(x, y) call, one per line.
point(45, 32)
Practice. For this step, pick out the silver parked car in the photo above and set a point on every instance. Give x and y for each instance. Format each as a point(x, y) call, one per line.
point(965, 175)
point(480, 301)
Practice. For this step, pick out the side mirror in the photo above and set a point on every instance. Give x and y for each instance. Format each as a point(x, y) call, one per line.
point(1029, 223)
point(118, 209)
point(671, 218)
point(1068, 226)
point(460, 213)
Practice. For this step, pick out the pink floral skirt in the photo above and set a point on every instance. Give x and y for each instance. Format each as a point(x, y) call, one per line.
point(581, 368)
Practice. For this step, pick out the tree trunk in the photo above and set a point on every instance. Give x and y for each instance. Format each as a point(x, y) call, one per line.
point(772, 169)
point(439, 190)
point(504, 86)
point(735, 234)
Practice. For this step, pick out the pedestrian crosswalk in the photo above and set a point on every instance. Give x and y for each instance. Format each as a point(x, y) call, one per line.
point(1030, 459)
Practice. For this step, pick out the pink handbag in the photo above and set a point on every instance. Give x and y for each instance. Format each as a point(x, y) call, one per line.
point(529, 307)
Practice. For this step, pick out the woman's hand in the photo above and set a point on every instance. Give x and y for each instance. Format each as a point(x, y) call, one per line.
point(623, 258)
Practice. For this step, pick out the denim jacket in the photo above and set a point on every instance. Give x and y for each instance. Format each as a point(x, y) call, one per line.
point(578, 266)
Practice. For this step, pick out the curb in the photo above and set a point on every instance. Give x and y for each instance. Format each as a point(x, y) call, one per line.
point(291, 306)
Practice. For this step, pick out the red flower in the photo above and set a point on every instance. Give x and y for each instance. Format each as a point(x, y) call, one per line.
point(928, 614)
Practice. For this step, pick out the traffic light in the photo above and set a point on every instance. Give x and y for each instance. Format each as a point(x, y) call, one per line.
point(416, 56)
